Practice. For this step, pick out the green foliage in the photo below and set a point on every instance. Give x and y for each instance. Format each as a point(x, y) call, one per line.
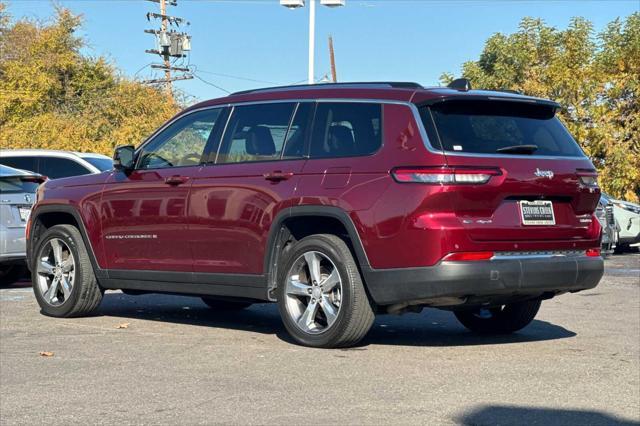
point(596, 79)
point(52, 96)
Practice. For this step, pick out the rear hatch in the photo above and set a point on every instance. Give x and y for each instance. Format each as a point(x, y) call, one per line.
point(17, 194)
point(544, 187)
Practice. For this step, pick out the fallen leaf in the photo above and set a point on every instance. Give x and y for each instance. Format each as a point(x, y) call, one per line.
point(46, 354)
point(123, 325)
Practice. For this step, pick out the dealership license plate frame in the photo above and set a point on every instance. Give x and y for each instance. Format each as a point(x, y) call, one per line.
point(540, 218)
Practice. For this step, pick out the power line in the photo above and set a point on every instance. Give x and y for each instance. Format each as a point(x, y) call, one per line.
point(210, 83)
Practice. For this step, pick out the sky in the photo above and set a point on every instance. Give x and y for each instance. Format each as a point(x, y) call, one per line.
point(245, 44)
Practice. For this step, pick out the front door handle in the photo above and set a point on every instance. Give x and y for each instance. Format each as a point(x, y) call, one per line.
point(176, 180)
point(278, 176)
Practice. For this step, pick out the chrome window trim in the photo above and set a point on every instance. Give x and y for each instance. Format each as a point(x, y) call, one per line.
point(412, 106)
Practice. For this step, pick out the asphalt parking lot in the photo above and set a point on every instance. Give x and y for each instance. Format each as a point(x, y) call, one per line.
point(174, 361)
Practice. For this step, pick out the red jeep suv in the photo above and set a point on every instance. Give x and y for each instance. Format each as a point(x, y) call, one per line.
point(336, 201)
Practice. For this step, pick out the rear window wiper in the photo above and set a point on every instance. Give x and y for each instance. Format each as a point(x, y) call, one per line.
point(518, 149)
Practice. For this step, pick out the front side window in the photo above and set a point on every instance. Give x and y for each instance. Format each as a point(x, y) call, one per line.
point(256, 133)
point(346, 129)
point(181, 144)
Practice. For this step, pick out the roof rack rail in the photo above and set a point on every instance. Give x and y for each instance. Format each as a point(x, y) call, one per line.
point(385, 84)
point(516, 92)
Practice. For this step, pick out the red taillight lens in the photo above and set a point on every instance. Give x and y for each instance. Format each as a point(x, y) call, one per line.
point(445, 175)
point(592, 252)
point(469, 256)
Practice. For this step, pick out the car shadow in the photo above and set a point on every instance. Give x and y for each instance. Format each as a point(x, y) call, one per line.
point(432, 327)
point(514, 415)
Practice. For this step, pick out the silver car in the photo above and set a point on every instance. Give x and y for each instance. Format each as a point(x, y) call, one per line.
point(17, 194)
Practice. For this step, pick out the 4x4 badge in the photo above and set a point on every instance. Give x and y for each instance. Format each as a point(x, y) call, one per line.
point(544, 173)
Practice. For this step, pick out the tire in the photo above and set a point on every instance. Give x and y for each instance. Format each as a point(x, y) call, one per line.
point(224, 305)
point(328, 328)
point(502, 320)
point(11, 273)
point(85, 294)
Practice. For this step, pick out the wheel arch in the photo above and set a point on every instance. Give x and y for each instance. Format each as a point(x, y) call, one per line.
point(300, 221)
point(44, 217)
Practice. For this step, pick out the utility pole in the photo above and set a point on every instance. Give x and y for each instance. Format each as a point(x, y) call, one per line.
point(332, 57)
point(169, 44)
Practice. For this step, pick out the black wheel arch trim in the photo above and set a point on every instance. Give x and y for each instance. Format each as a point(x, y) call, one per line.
point(64, 208)
point(275, 232)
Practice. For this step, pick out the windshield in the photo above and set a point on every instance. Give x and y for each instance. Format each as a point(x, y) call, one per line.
point(103, 164)
point(498, 127)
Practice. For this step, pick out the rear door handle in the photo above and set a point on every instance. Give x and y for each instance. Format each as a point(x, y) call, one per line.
point(176, 180)
point(278, 176)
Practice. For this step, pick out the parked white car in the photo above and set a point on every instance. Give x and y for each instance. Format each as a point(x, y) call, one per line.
point(627, 217)
point(17, 194)
point(55, 164)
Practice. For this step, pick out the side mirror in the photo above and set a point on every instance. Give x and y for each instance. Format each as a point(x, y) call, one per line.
point(124, 157)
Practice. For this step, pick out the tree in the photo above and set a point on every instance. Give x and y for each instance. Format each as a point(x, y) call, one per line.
point(596, 79)
point(53, 96)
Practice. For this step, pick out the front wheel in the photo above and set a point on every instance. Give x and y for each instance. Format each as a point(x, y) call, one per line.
point(321, 297)
point(63, 279)
point(501, 320)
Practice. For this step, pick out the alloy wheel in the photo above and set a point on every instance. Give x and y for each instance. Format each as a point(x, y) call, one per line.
point(313, 292)
point(56, 272)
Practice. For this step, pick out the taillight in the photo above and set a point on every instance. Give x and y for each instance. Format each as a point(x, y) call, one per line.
point(592, 252)
point(587, 177)
point(445, 175)
point(469, 256)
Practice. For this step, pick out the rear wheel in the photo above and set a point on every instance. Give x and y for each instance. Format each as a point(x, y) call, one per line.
point(321, 297)
point(11, 273)
point(63, 279)
point(501, 320)
point(224, 305)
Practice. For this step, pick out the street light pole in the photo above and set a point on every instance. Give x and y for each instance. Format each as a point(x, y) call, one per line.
point(294, 4)
point(312, 40)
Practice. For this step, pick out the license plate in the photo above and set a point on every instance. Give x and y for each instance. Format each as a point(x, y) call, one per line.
point(24, 213)
point(537, 213)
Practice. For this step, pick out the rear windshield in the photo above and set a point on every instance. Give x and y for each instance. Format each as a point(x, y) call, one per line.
point(14, 185)
point(497, 127)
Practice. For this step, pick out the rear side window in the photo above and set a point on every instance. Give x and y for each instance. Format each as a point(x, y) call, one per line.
point(256, 133)
point(497, 127)
point(55, 168)
point(13, 185)
point(23, 163)
point(346, 129)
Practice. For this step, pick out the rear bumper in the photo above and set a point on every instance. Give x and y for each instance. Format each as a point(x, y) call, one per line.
point(525, 275)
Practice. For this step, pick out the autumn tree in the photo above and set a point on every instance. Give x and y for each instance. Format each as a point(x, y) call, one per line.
point(54, 96)
point(596, 79)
